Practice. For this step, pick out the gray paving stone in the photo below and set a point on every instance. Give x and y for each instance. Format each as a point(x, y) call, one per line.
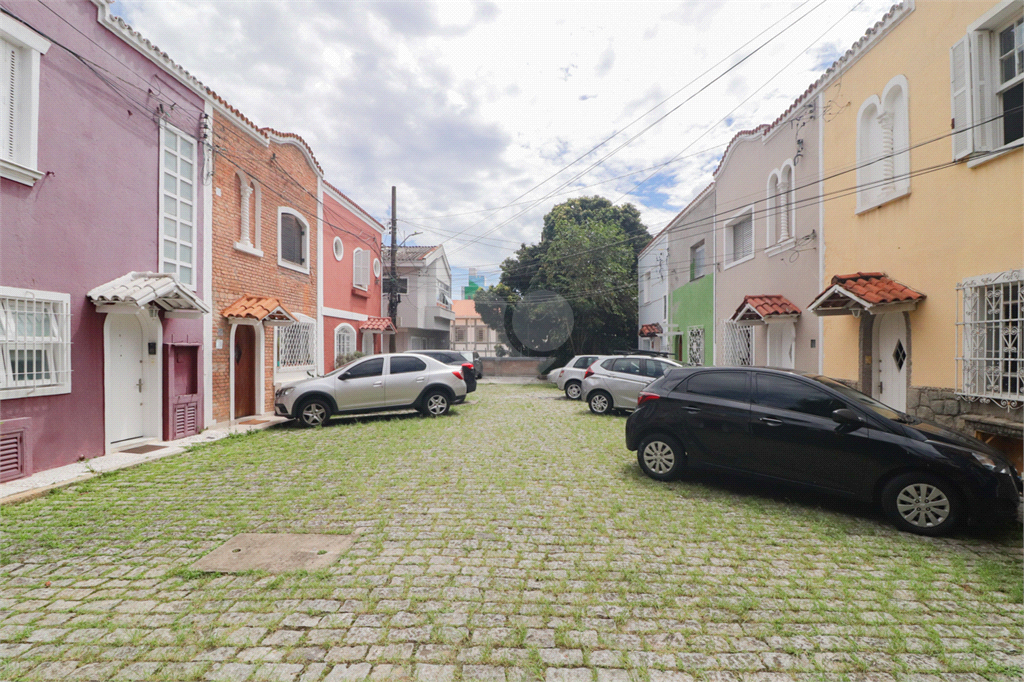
point(426, 672)
point(568, 675)
point(230, 672)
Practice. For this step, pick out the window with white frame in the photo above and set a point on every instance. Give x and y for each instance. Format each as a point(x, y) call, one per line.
point(781, 203)
point(292, 240)
point(361, 269)
point(248, 214)
point(177, 191)
point(883, 146)
point(990, 357)
point(645, 287)
point(697, 260)
point(739, 235)
point(21, 50)
point(35, 343)
point(296, 345)
point(444, 294)
point(344, 340)
point(987, 82)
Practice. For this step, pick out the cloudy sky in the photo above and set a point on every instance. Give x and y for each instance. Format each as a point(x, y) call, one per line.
point(477, 111)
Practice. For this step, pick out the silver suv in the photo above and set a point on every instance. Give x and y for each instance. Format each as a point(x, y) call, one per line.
point(615, 383)
point(374, 384)
point(570, 377)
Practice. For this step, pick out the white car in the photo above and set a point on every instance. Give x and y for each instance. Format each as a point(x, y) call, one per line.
point(570, 377)
point(373, 384)
point(615, 383)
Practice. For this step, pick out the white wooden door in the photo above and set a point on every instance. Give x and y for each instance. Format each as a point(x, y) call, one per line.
point(891, 351)
point(126, 391)
point(782, 345)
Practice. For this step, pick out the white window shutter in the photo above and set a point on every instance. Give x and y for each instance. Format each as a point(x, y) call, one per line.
point(366, 269)
point(981, 92)
point(960, 98)
point(11, 67)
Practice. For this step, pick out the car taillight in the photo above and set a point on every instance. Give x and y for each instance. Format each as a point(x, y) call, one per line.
point(645, 397)
point(589, 372)
point(560, 373)
point(458, 375)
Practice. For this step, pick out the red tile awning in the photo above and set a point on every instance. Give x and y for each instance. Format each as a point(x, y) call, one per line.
point(269, 311)
point(762, 308)
point(650, 329)
point(865, 291)
point(377, 325)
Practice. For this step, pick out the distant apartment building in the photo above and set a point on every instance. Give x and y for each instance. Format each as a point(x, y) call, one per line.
point(425, 287)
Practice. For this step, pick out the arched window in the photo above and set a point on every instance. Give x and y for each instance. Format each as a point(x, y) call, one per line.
point(292, 240)
point(883, 146)
point(344, 341)
point(781, 204)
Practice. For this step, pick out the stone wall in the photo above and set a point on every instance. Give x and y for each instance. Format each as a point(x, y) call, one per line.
point(512, 367)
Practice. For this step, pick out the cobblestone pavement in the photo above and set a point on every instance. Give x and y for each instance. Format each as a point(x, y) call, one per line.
point(513, 540)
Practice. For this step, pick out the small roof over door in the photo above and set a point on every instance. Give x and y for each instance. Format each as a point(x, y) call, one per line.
point(764, 308)
point(874, 292)
point(269, 311)
point(378, 325)
point(650, 330)
point(136, 290)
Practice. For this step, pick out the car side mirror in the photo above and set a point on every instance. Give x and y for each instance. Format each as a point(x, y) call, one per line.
point(343, 376)
point(847, 417)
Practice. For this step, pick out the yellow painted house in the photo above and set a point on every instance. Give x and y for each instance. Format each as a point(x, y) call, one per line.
point(922, 299)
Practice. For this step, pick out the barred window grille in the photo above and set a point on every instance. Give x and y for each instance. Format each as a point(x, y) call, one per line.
point(460, 334)
point(990, 361)
point(738, 344)
point(35, 343)
point(695, 346)
point(295, 345)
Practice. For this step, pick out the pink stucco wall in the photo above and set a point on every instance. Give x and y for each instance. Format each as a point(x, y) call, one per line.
point(93, 217)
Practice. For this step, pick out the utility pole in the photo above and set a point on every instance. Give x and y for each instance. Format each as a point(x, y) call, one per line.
point(393, 286)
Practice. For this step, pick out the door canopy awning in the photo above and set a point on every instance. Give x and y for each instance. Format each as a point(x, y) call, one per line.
point(764, 309)
point(650, 330)
point(377, 325)
point(874, 292)
point(136, 290)
point(256, 309)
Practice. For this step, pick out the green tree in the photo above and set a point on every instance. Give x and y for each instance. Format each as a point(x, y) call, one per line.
point(588, 255)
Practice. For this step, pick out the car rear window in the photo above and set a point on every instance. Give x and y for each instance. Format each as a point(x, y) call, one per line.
point(401, 365)
point(584, 362)
point(724, 385)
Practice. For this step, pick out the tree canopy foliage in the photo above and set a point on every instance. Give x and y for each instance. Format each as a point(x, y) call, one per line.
point(587, 254)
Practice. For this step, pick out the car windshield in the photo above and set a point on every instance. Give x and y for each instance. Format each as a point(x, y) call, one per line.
point(862, 399)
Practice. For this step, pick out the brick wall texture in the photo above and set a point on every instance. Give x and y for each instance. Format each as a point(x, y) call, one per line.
point(286, 179)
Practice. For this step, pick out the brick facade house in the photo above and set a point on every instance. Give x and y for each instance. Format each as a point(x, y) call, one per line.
point(265, 263)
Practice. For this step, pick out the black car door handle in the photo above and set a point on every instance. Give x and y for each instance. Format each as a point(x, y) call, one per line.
point(771, 421)
point(691, 409)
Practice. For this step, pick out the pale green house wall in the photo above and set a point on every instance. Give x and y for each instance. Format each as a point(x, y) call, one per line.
point(692, 305)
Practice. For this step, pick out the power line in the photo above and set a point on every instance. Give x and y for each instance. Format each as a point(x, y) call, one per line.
point(656, 121)
point(609, 138)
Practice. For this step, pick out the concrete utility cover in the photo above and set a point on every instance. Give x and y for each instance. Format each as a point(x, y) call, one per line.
point(275, 552)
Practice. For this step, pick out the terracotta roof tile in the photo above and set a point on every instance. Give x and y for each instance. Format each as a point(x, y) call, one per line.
point(650, 329)
point(257, 308)
point(465, 308)
point(765, 305)
point(382, 324)
point(876, 287)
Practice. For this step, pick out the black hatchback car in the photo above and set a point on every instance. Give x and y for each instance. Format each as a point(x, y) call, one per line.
point(817, 432)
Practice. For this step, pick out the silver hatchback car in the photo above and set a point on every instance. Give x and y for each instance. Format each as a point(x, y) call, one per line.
point(570, 377)
point(615, 383)
point(374, 384)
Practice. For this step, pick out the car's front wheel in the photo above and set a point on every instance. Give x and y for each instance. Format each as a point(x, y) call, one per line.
point(435, 404)
point(600, 402)
point(314, 412)
point(661, 457)
point(573, 390)
point(922, 503)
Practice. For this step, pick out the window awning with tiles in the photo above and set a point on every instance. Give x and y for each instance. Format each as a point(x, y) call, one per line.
point(378, 325)
point(136, 290)
point(874, 292)
point(763, 309)
point(256, 309)
point(651, 330)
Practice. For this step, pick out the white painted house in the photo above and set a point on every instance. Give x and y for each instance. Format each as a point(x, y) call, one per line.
point(425, 284)
point(652, 294)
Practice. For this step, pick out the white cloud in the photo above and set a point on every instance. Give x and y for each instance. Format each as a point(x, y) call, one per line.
point(464, 106)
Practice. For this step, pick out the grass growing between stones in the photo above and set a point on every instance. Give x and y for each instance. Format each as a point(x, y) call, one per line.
point(515, 536)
